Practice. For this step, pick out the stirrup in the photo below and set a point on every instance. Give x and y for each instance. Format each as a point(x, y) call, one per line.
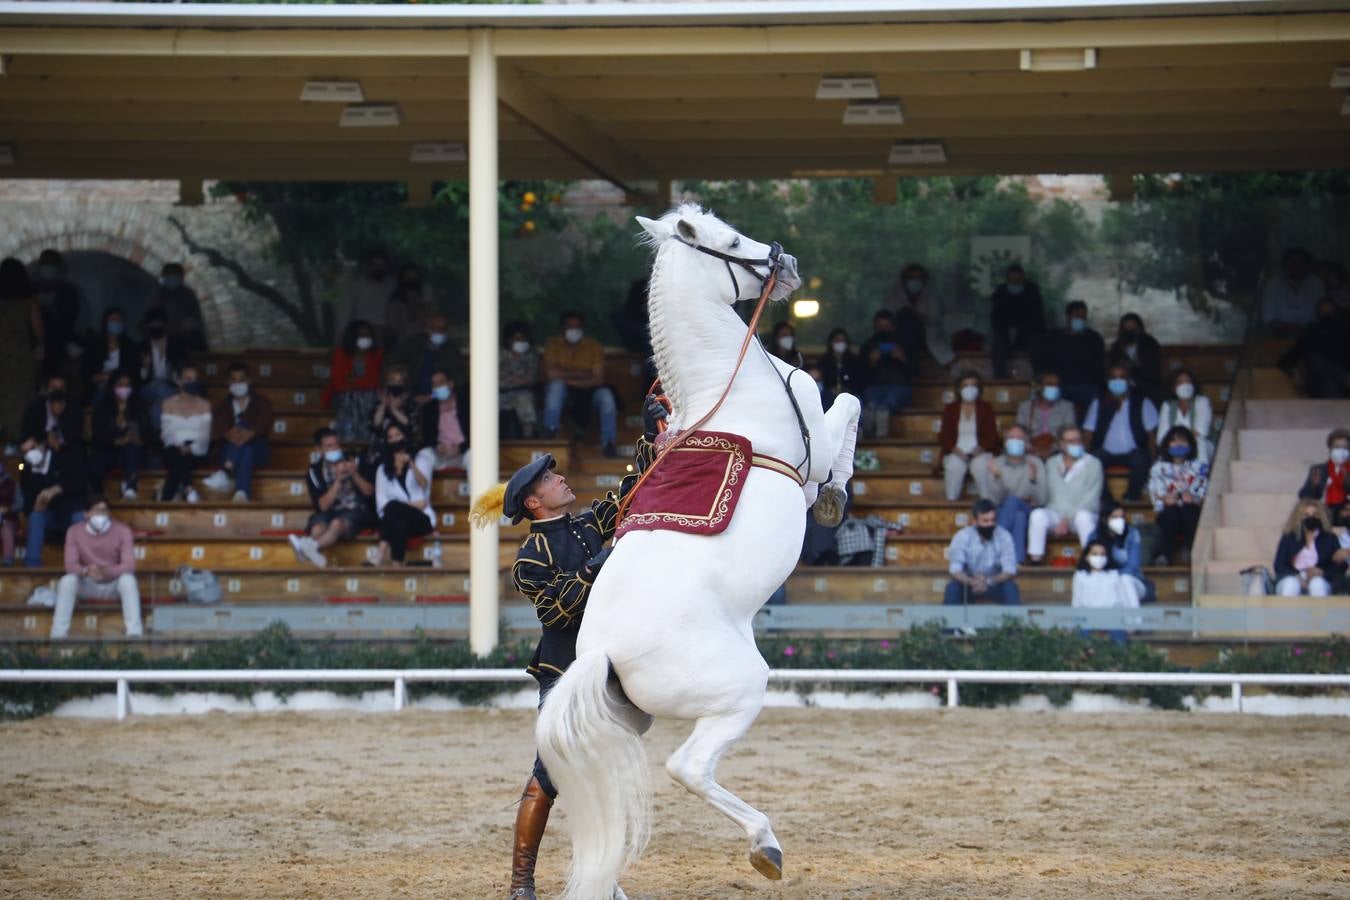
point(828, 510)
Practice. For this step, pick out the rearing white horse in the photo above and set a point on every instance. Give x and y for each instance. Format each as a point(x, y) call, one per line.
point(671, 613)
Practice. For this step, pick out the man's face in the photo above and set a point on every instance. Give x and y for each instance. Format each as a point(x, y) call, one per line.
point(987, 519)
point(98, 509)
point(883, 325)
point(329, 443)
point(1050, 381)
point(439, 380)
point(437, 325)
point(551, 492)
point(238, 377)
point(1071, 438)
point(1016, 278)
point(56, 386)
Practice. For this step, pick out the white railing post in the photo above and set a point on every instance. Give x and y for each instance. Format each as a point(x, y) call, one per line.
point(400, 693)
point(953, 694)
point(1237, 696)
point(123, 699)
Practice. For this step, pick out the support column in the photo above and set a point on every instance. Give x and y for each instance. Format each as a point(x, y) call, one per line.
point(484, 577)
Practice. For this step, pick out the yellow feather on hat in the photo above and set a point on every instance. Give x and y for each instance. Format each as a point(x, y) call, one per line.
point(488, 507)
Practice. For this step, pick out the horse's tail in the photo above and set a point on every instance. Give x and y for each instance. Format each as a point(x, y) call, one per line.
point(597, 763)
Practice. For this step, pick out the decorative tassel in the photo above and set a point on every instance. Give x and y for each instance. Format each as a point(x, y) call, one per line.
point(488, 507)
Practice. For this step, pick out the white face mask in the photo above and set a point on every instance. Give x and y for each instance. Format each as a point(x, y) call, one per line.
point(840, 347)
point(239, 389)
point(970, 393)
point(1097, 560)
point(1339, 455)
point(99, 523)
point(437, 338)
point(520, 346)
point(572, 335)
point(1116, 524)
point(786, 341)
point(364, 343)
point(1185, 390)
point(35, 456)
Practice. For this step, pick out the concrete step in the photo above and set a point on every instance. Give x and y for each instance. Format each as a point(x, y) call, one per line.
point(1270, 383)
point(1323, 415)
point(1244, 510)
point(1247, 543)
point(1257, 477)
point(1290, 446)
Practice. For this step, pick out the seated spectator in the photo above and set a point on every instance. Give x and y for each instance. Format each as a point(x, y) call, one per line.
point(1177, 484)
point(1188, 406)
point(1074, 480)
point(841, 370)
point(1330, 481)
point(890, 359)
point(21, 346)
point(428, 350)
point(181, 313)
point(117, 440)
point(1321, 350)
point(354, 381)
point(969, 438)
point(1044, 414)
point(913, 296)
point(410, 304)
point(1098, 583)
point(162, 355)
point(11, 501)
point(444, 425)
point(1017, 484)
point(1309, 558)
point(1119, 429)
point(1077, 353)
point(110, 352)
point(574, 371)
point(1139, 352)
point(1289, 300)
point(54, 484)
point(518, 379)
point(784, 345)
point(402, 498)
point(59, 421)
point(185, 432)
point(981, 561)
point(1125, 545)
point(1016, 320)
point(342, 499)
point(242, 424)
point(396, 406)
point(100, 565)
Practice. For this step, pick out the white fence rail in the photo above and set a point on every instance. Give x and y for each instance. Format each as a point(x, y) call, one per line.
point(401, 677)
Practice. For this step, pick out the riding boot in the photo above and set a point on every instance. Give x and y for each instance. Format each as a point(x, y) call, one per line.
point(531, 819)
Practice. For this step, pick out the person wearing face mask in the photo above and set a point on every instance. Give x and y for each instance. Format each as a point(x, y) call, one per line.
point(242, 424)
point(365, 293)
point(981, 561)
point(182, 311)
point(1309, 559)
point(1077, 353)
point(969, 438)
point(1016, 320)
point(54, 485)
point(1138, 351)
point(891, 360)
point(402, 497)
point(117, 437)
point(1119, 429)
point(1074, 495)
point(1189, 407)
point(354, 381)
point(1177, 484)
point(1098, 583)
point(185, 432)
point(574, 374)
point(517, 383)
point(913, 294)
point(53, 415)
point(162, 355)
point(783, 344)
point(341, 494)
point(1125, 546)
point(109, 352)
point(427, 351)
point(61, 304)
point(443, 424)
point(100, 564)
point(841, 370)
point(1044, 414)
point(1330, 481)
point(396, 407)
point(1321, 351)
point(409, 305)
point(1017, 484)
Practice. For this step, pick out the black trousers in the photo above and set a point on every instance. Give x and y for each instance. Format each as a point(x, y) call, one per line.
point(1176, 527)
point(178, 465)
point(546, 683)
point(399, 524)
point(1138, 463)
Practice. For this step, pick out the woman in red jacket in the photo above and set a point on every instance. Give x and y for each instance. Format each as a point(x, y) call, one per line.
point(354, 382)
point(969, 438)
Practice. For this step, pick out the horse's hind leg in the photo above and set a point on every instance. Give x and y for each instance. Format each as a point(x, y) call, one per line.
point(840, 442)
point(694, 765)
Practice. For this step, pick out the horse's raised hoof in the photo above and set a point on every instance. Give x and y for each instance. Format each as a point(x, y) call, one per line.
point(768, 861)
point(619, 894)
point(829, 506)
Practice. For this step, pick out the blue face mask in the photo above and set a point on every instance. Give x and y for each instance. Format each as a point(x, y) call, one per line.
point(1015, 446)
point(1178, 451)
point(333, 456)
point(1077, 325)
point(1016, 289)
point(914, 285)
point(1075, 451)
point(441, 393)
point(1118, 386)
point(1050, 392)
point(116, 327)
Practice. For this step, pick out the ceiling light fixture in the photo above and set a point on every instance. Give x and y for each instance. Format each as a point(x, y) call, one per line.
point(1340, 76)
point(437, 153)
point(888, 111)
point(847, 87)
point(918, 153)
point(332, 91)
point(1059, 59)
point(370, 115)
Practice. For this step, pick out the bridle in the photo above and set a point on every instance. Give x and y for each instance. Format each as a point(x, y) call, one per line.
point(773, 261)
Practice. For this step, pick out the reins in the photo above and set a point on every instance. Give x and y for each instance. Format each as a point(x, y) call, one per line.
point(770, 282)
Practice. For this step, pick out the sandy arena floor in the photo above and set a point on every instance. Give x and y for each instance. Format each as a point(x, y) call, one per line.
point(867, 804)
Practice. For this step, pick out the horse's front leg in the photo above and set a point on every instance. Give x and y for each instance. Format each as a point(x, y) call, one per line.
point(840, 439)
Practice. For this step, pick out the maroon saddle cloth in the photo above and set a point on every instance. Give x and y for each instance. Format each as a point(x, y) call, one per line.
point(695, 487)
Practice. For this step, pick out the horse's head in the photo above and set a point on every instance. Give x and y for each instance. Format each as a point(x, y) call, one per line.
point(736, 265)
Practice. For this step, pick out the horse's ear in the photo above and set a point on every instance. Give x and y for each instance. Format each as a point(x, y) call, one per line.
point(655, 227)
point(687, 231)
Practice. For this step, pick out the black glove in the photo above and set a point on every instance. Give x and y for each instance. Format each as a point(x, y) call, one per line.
point(653, 411)
point(595, 562)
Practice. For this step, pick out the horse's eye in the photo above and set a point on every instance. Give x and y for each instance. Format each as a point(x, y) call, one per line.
point(736, 243)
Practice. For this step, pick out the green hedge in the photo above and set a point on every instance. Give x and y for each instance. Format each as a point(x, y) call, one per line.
point(1013, 646)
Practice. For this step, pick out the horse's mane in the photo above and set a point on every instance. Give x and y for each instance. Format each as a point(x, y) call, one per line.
point(683, 211)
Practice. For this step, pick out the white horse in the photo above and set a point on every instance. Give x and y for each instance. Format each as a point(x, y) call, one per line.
point(670, 614)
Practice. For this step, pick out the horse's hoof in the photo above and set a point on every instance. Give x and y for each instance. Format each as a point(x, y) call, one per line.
point(619, 894)
point(829, 506)
point(768, 861)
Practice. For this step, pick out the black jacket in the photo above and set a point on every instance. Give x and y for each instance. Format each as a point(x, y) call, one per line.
point(908, 336)
point(556, 566)
point(70, 423)
point(96, 353)
point(66, 469)
point(842, 374)
point(1021, 311)
point(1290, 544)
point(1076, 358)
point(105, 427)
point(1145, 368)
point(175, 354)
point(1315, 486)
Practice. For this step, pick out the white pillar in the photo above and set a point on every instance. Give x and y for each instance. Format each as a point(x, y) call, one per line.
point(483, 327)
